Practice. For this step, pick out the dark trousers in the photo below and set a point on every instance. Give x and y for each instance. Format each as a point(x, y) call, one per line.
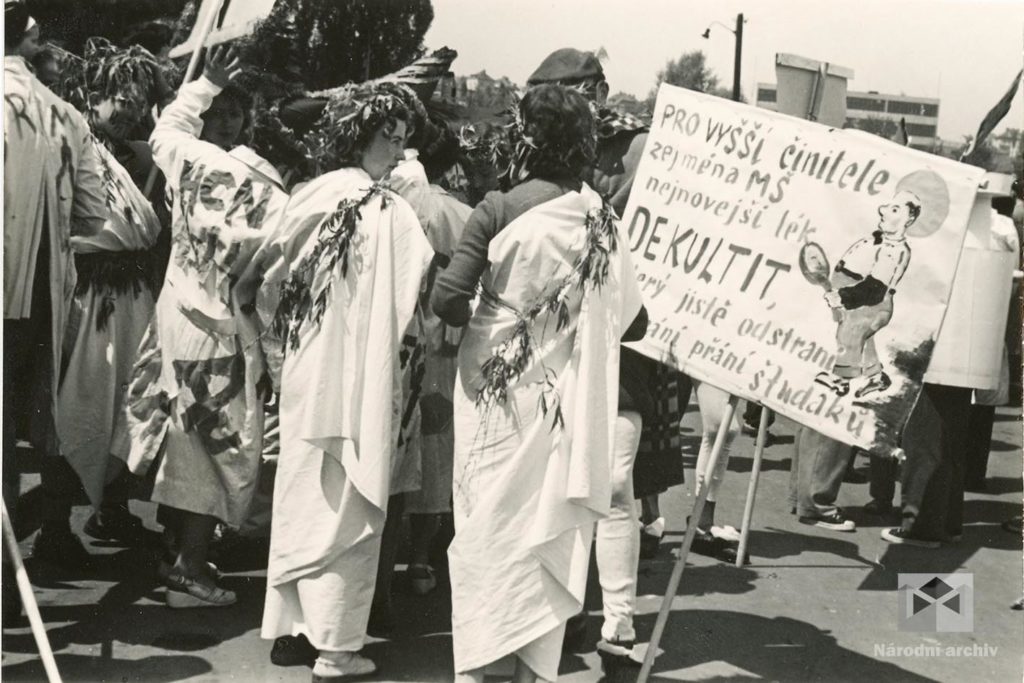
point(29, 402)
point(979, 442)
point(816, 472)
point(752, 415)
point(882, 478)
point(935, 442)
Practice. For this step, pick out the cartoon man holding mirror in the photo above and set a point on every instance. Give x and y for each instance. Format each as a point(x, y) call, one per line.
point(865, 280)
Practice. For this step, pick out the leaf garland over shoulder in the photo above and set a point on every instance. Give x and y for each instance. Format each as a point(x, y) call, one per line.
point(512, 356)
point(299, 304)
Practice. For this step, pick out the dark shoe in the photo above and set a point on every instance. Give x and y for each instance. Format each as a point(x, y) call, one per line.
point(901, 536)
point(617, 655)
point(709, 545)
point(293, 651)
point(60, 547)
point(875, 384)
point(834, 521)
point(879, 508)
point(120, 526)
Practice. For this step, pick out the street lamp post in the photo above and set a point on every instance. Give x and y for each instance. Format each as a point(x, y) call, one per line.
point(737, 60)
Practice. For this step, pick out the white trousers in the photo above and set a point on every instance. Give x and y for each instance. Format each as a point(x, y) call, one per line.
point(618, 535)
point(711, 401)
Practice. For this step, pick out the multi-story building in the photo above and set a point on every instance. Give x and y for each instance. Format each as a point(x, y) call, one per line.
point(879, 112)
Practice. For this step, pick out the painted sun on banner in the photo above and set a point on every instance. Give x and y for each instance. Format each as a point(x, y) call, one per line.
point(803, 267)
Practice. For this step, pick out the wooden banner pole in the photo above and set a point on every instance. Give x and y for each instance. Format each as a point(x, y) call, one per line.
point(193, 64)
point(691, 532)
point(755, 474)
point(28, 599)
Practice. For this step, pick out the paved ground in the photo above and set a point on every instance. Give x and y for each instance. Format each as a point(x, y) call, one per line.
point(813, 605)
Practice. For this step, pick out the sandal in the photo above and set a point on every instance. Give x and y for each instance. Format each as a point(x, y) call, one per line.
point(166, 567)
point(184, 592)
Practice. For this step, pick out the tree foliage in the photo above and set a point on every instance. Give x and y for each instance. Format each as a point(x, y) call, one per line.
point(690, 71)
point(71, 22)
point(325, 43)
point(624, 102)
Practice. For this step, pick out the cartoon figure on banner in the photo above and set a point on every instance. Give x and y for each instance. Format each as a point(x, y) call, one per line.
point(860, 290)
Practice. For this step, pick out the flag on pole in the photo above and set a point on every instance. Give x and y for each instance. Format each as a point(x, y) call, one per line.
point(994, 116)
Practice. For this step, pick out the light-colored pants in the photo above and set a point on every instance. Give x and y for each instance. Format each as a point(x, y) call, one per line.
point(712, 401)
point(618, 535)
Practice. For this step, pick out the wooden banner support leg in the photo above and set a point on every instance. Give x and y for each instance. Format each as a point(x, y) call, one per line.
point(691, 532)
point(755, 473)
point(28, 600)
point(193, 64)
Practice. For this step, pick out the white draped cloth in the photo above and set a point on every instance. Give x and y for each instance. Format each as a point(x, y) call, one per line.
point(340, 410)
point(108, 323)
point(527, 492)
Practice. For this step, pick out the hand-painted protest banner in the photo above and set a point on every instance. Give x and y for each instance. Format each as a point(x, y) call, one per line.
point(803, 267)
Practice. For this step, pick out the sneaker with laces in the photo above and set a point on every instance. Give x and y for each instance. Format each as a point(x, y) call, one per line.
point(834, 521)
point(900, 535)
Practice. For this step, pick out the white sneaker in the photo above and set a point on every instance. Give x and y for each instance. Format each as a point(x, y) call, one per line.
point(341, 665)
point(726, 533)
point(655, 528)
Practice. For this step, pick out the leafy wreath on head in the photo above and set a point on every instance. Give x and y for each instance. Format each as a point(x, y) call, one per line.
point(109, 72)
point(351, 116)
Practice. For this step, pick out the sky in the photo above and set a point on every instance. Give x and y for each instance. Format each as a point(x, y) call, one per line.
point(963, 52)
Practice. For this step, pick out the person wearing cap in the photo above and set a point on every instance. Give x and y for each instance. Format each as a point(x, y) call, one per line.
point(519, 558)
point(346, 266)
point(621, 141)
point(53, 191)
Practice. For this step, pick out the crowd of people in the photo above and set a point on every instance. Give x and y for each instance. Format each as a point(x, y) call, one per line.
point(352, 328)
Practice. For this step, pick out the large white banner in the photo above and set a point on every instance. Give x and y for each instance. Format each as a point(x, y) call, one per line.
point(804, 267)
